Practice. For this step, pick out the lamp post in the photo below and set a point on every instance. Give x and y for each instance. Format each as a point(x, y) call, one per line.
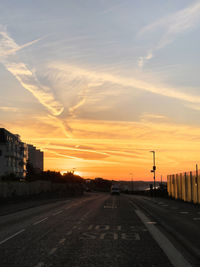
point(73, 170)
point(131, 182)
point(154, 169)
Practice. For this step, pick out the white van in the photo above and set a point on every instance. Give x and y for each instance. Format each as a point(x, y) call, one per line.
point(115, 190)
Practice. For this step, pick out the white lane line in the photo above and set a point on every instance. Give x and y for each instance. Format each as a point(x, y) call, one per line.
point(69, 233)
point(196, 219)
point(183, 212)
point(58, 212)
point(52, 251)
point(175, 257)
point(90, 227)
point(40, 221)
point(8, 238)
point(62, 241)
point(40, 264)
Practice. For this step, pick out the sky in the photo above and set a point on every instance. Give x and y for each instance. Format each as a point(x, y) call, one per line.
point(99, 84)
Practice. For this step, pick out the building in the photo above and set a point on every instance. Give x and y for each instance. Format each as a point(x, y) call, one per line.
point(13, 154)
point(35, 158)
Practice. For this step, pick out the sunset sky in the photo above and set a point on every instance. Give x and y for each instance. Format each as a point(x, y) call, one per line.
point(97, 84)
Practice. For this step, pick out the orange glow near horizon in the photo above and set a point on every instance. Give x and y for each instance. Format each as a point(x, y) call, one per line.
point(114, 150)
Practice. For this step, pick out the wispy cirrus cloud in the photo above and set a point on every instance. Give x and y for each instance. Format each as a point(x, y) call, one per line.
point(72, 73)
point(8, 49)
point(9, 109)
point(170, 26)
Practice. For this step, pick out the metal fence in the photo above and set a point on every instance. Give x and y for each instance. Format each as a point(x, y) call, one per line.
point(185, 186)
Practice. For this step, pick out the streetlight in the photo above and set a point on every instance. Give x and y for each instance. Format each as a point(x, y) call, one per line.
point(154, 169)
point(131, 182)
point(73, 170)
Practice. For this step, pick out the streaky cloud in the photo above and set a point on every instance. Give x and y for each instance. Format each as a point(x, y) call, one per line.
point(172, 26)
point(24, 75)
point(68, 72)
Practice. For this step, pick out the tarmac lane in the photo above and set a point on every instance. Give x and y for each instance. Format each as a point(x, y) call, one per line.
point(102, 230)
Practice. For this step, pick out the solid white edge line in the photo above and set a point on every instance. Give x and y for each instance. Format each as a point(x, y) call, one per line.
point(175, 257)
point(40, 221)
point(58, 212)
point(40, 264)
point(19, 232)
point(52, 251)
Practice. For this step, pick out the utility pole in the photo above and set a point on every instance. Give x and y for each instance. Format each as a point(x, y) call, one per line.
point(154, 170)
point(196, 182)
point(131, 182)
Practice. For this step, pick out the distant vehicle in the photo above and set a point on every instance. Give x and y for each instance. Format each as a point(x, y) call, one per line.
point(115, 190)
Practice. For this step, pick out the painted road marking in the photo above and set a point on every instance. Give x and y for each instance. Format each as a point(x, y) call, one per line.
point(115, 236)
point(8, 238)
point(102, 236)
point(135, 236)
point(102, 227)
point(40, 264)
point(58, 212)
point(69, 232)
point(183, 212)
point(40, 221)
point(196, 219)
point(53, 250)
point(88, 236)
point(62, 241)
point(109, 207)
point(175, 257)
point(110, 235)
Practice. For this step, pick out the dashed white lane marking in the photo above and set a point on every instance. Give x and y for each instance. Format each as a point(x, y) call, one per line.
point(52, 251)
point(40, 264)
point(8, 238)
point(90, 227)
point(40, 221)
point(69, 232)
point(175, 257)
point(58, 212)
point(196, 219)
point(102, 236)
point(183, 212)
point(115, 236)
point(62, 241)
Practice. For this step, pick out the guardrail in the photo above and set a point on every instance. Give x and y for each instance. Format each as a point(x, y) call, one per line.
point(185, 186)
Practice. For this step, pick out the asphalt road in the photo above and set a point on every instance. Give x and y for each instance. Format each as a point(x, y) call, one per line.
point(95, 230)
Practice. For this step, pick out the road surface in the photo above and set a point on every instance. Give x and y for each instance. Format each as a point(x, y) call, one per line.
point(99, 230)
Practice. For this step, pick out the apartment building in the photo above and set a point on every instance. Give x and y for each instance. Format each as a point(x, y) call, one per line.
point(13, 154)
point(35, 158)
